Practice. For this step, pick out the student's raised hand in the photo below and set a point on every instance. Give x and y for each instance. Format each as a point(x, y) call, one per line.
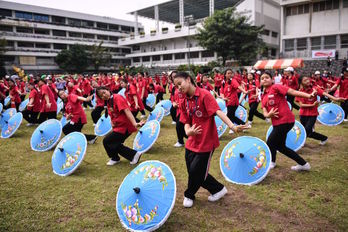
point(239, 128)
point(316, 103)
point(273, 113)
point(141, 123)
point(89, 98)
point(194, 130)
point(313, 94)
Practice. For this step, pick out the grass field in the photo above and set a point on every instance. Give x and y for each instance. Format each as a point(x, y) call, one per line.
point(32, 198)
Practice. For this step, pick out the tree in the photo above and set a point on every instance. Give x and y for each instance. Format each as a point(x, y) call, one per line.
point(231, 35)
point(74, 60)
point(99, 56)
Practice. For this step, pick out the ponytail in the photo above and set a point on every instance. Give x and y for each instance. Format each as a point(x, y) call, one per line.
point(185, 75)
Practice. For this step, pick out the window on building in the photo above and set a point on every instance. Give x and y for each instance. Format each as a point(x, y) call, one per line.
point(273, 52)
point(59, 33)
point(85, 23)
point(126, 50)
point(288, 11)
point(114, 61)
point(113, 38)
point(300, 9)
point(156, 58)
point(41, 17)
point(136, 48)
point(330, 42)
point(306, 8)
point(294, 10)
point(316, 43)
point(24, 15)
point(179, 56)
point(102, 25)
point(58, 20)
point(74, 22)
point(5, 13)
point(206, 54)
point(42, 45)
point(9, 43)
point(6, 28)
point(25, 44)
point(24, 30)
point(40, 31)
point(265, 32)
point(136, 59)
point(114, 50)
point(336, 5)
point(301, 44)
point(88, 36)
point(75, 34)
point(102, 37)
point(125, 28)
point(345, 3)
point(146, 58)
point(168, 57)
point(289, 45)
point(9, 59)
point(60, 46)
point(274, 34)
point(344, 41)
point(113, 27)
point(194, 55)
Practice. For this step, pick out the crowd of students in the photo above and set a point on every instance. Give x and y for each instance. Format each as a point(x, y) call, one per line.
point(193, 109)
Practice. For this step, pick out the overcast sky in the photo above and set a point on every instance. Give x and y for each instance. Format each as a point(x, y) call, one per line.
point(112, 8)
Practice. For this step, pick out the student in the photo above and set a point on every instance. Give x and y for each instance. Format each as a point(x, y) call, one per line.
point(48, 102)
point(274, 106)
point(75, 114)
point(197, 114)
point(33, 107)
point(172, 90)
point(99, 107)
point(290, 81)
point(132, 97)
point(218, 78)
point(14, 94)
point(123, 124)
point(342, 83)
point(230, 95)
point(142, 92)
point(309, 108)
point(158, 90)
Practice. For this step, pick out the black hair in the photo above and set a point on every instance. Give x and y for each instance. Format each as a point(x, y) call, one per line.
point(229, 69)
point(98, 89)
point(185, 75)
point(267, 73)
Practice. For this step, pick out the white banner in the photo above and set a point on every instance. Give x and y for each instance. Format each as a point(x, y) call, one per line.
point(323, 54)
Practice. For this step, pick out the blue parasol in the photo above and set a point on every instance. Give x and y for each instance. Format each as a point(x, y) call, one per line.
point(94, 103)
point(6, 116)
point(11, 125)
point(244, 100)
point(157, 114)
point(245, 160)
point(1, 107)
point(290, 106)
point(7, 101)
point(63, 121)
point(330, 114)
point(295, 138)
point(122, 92)
point(103, 126)
point(241, 113)
point(69, 154)
point(146, 196)
point(46, 135)
point(151, 100)
point(222, 105)
point(166, 104)
point(146, 136)
point(23, 105)
point(60, 105)
point(220, 126)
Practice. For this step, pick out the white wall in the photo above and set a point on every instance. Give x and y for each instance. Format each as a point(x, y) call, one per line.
point(271, 11)
point(297, 24)
point(248, 5)
point(344, 19)
point(325, 21)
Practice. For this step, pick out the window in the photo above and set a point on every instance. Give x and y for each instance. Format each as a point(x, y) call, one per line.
point(294, 10)
point(300, 9)
point(9, 59)
point(25, 44)
point(288, 11)
point(88, 36)
point(345, 3)
point(41, 18)
point(330, 42)
point(6, 28)
point(102, 25)
point(114, 50)
point(265, 32)
point(24, 15)
point(113, 27)
point(87, 23)
point(24, 30)
point(168, 57)
point(301, 44)
point(207, 54)
point(43, 45)
point(9, 43)
point(335, 5)
point(126, 50)
point(102, 37)
point(113, 38)
point(41, 31)
point(136, 59)
point(344, 41)
point(194, 55)
point(156, 58)
point(136, 48)
point(316, 43)
point(58, 20)
point(179, 56)
point(146, 58)
point(74, 22)
point(60, 46)
point(273, 52)
point(326, 5)
point(115, 61)
point(274, 34)
point(289, 45)
point(125, 28)
point(306, 8)
point(59, 33)
point(5, 13)
point(75, 34)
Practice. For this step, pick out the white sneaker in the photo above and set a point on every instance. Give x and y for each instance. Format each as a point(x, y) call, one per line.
point(30, 124)
point(268, 120)
point(92, 141)
point(248, 126)
point(173, 123)
point(298, 167)
point(345, 120)
point(231, 131)
point(84, 108)
point(187, 202)
point(250, 122)
point(178, 144)
point(324, 142)
point(136, 158)
point(143, 116)
point(93, 124)
point(112, 162)
point(218, 195)
point(273, 165)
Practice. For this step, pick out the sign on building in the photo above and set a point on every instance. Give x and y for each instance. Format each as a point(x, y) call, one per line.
point(323, 54)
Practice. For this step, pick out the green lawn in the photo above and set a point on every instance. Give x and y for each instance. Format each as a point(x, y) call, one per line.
point(32, 198)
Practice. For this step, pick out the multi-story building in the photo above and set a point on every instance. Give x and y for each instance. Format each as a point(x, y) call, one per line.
point(314, 29)
point(165, 47)
point(35, 35)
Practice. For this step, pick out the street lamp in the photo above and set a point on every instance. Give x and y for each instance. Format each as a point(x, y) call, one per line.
point(188, 20)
